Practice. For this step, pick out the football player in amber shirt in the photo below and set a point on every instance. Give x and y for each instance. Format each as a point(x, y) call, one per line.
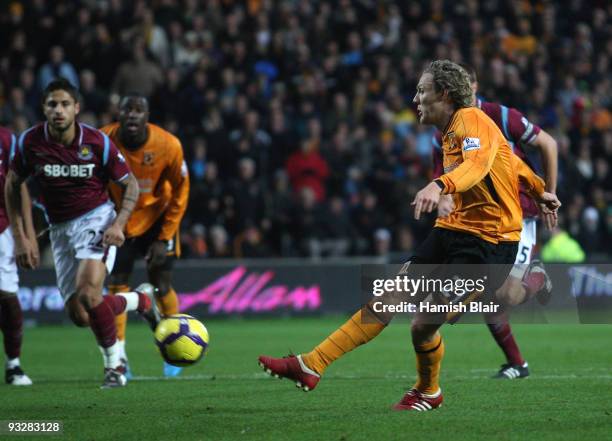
point(527, 278)
point(485, 229)
point(155, 156)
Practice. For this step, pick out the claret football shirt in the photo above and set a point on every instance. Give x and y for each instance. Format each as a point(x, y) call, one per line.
point(73, 179)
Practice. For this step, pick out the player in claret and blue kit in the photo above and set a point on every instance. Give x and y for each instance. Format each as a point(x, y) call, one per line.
point(73, 164)
point(11, 316)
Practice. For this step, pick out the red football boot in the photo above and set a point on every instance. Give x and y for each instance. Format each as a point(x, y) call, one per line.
point(415, 400)
point(537, 282)
point(293, 368)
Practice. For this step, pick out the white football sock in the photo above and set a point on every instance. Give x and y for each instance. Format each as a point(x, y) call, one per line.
point(111, 355)
point(12, 363)
point(131, 299)
point(121, 346)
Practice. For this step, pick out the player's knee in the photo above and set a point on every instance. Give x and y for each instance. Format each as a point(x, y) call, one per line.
point(78, 315)
point(421, 333)
point(88, 298)
point(80, 319)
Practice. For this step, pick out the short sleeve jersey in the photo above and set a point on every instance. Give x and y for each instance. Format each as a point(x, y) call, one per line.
point(163, 179)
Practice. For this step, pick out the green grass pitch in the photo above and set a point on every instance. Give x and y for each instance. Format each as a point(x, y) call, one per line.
point(228, 397)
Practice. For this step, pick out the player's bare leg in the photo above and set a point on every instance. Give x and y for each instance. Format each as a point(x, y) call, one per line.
point(88, 306)
point(167, 302)
point(11, 323)
point(88, 302)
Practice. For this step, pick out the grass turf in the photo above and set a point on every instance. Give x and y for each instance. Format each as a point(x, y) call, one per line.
point(228, 397)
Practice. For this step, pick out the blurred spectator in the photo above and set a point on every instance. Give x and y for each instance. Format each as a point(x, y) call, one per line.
point(219, 242)
point(154, 37)
point(55, 68)
point(249, 244)
point(166, 101)
point(562, 248)
point(16, 107)
point(194, 243)
point(589, 235)
point(197, 165)
point(382, 242)
point(368, 218)
point(336, 231)
point(138, 75)
point(206, 197)
point(307, 169)
point(521, 43)
point(281, 141)
point(27, 83)
point(192, 99)
point(250, 141)
point(280, 206)
point(307, 222)
point(93, 98)
point(247, 195)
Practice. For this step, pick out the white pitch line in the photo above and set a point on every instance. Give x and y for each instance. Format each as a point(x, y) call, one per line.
point(263, 376)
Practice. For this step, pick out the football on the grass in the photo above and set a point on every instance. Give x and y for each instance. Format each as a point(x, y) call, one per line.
point(182, 339)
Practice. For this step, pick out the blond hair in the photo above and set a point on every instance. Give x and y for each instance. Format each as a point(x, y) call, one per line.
point(451, 78)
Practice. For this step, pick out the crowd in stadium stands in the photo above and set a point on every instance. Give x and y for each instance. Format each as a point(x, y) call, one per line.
point(296, 116)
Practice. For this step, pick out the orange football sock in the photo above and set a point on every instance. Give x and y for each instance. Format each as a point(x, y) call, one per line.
point(347, 337)
point(121, 319)
point(428, 363)
point(168, 304)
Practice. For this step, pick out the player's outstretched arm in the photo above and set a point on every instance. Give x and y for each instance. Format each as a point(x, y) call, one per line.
point(26, 248)
point(114, 234)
